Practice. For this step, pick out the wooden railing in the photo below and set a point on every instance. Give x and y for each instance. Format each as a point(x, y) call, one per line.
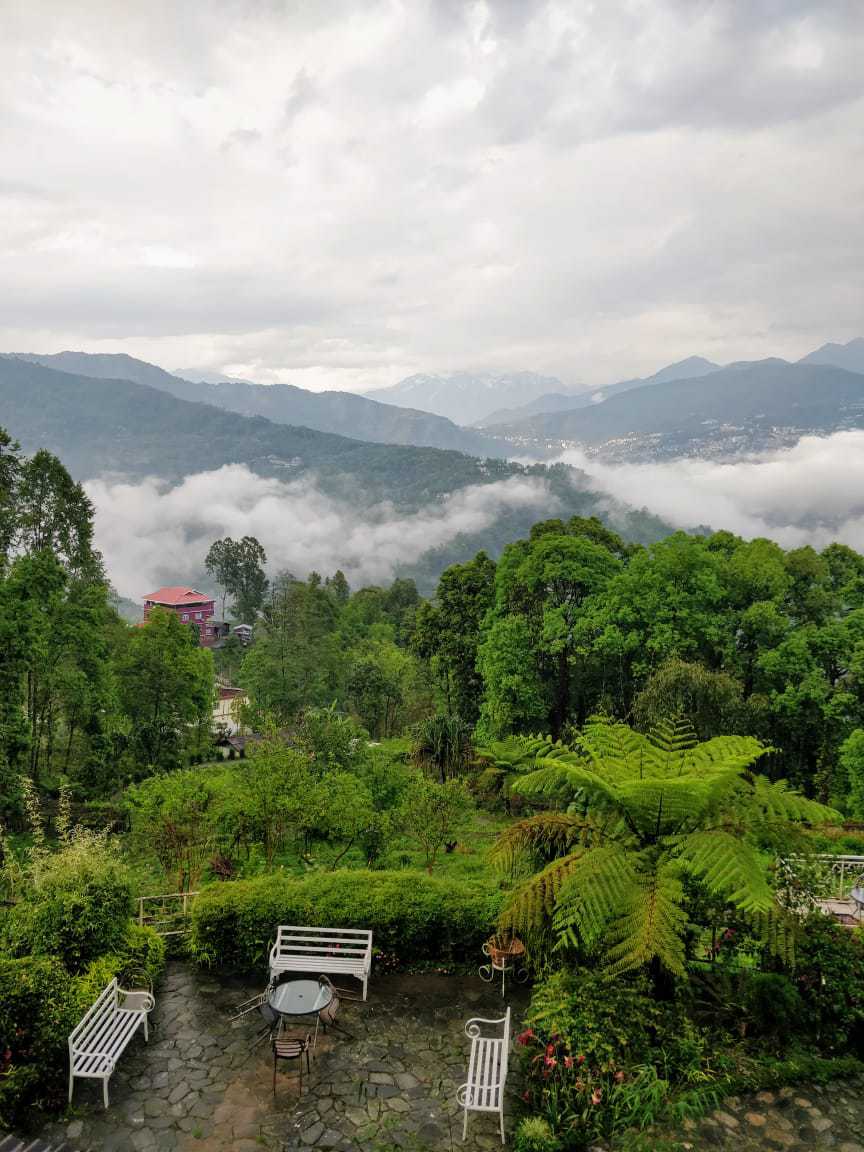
point(167, 914)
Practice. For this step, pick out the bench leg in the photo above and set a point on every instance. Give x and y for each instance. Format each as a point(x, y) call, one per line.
point(502, 1123)
point(146, 1032)
point(105, 1091)
point(465, 1126)
point(71, 1084)
point(365, 984)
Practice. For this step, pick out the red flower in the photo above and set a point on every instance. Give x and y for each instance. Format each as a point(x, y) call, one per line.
point(568, 1061)
point(596, 1096)
point(619, 1077)
point(550, 1061)
point(525, 1038)
point(526, 1096)
point(550, 1048)
point(580, 1059)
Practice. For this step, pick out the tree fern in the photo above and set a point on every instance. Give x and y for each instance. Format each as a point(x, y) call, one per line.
point(638, 815)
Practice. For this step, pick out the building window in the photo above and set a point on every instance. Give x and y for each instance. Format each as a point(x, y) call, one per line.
point(185, 617)
point(199, 616)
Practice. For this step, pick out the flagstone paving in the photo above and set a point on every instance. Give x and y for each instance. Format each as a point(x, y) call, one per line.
point(201, 1086)
point(811, 1118)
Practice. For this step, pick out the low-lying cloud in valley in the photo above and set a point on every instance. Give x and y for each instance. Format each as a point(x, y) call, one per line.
point(151, 533)
point(812, 493)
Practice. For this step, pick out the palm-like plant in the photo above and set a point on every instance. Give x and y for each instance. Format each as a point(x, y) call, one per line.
point(637, 815)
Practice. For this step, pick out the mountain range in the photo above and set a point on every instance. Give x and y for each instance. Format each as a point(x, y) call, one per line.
point(345, 413)
point(688, 369)
point(469, 397)
point(741, 408)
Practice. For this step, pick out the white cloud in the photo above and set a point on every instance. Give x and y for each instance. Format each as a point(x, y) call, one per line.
point(151, 533)
point(344, 193)
point(812, 493)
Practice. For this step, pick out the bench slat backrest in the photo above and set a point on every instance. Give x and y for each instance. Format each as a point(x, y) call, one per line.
point(90, 1032)
point(301, 939)
point(487, 1068)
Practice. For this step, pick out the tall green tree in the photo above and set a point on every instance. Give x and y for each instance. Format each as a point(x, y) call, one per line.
point(238, 567)
point(166, 690)
point(294, 661)
point(447, 632)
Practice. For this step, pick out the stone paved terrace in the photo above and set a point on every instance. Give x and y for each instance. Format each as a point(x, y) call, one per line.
point(809, 1118)
point(199, 1086)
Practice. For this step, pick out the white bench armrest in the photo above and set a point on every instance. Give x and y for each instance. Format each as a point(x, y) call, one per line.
point(473, 1030)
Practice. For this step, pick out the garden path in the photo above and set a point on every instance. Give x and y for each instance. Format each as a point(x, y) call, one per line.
point(197, 1086)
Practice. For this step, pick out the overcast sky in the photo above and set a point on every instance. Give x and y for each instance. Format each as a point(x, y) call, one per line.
point(338, 194)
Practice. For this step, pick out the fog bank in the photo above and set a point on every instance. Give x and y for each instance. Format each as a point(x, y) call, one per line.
point(151, 533)
point(812, 493)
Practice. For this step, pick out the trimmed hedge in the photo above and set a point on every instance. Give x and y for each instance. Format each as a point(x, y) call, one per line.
point(415, 918)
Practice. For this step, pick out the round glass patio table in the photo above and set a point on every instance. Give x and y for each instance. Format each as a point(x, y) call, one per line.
point(300, 997)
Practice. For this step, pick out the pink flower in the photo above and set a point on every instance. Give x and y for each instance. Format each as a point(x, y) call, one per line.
point(580, 1059)
point(619, 1077)
point(550, 1048)
point(568, 1061)
point(525, 1038)
point(550, 1061)
point(596, 1096)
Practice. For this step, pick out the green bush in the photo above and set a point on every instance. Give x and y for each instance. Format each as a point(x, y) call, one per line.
point(414, 917)
point(535, 1135)
point(829, 973)
point(37, 1013)
point(604, 1055)
point(77, 907)
point(40, 1004)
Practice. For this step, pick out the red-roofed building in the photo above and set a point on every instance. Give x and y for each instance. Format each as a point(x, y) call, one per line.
point(193, 607)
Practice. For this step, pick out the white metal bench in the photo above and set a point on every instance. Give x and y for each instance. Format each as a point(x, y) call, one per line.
point(332, 951)
point(97, 1043)
point(483, 1091)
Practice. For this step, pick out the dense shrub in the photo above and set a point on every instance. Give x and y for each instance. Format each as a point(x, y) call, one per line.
point(40, 1004)
point(415, 918)
point(829, 973)
point(36, 1015)
point(602, 1056)
point(76, 906)
point(534, 1134)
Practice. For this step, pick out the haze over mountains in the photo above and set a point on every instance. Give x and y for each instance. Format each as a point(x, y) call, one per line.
point(691, 368)
point(740, 409)
point(469, 397)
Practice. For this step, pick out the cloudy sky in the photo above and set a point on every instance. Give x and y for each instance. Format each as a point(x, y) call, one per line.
point(339, 194)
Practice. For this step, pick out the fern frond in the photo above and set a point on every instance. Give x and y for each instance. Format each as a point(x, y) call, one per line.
point(776, 801)
point(564, 781)
point(531, 906)
point(650, 926)
point(729, 867)
point(599, 884)
point(544, 836)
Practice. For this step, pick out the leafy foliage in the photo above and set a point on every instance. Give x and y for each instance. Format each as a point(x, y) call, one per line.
point(642, 815)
